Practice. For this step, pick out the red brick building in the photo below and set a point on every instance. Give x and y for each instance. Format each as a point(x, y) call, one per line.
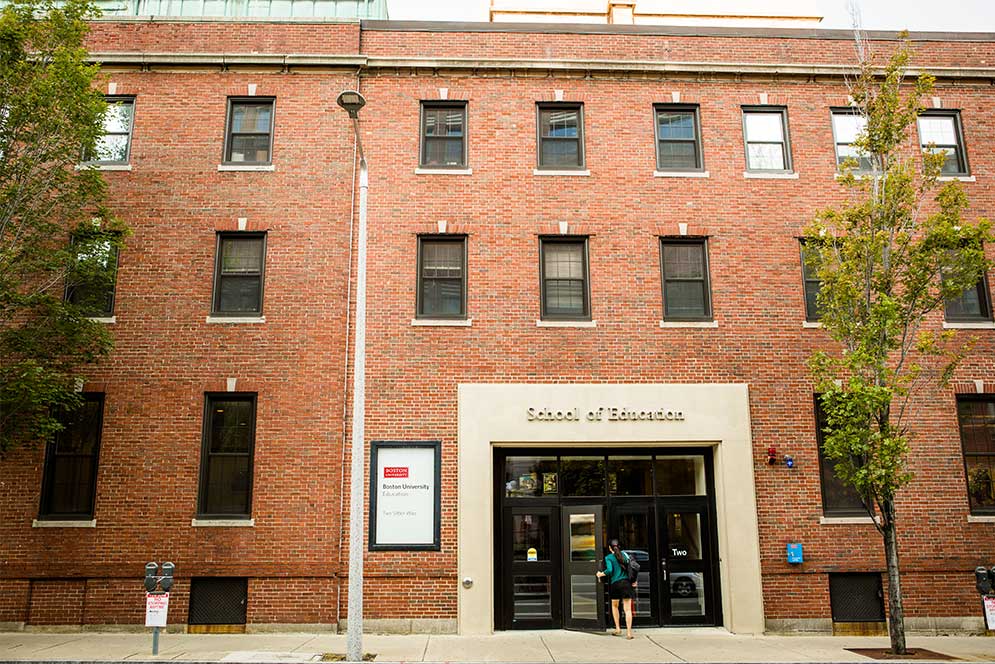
point(587, 319)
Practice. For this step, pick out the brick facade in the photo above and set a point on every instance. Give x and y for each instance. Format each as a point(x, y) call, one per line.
point(167, 357)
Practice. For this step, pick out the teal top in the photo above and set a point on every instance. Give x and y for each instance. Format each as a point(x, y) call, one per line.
point(613, 570)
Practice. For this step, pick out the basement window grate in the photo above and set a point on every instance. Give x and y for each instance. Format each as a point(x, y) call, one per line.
point(218, 601)
point(856, 597)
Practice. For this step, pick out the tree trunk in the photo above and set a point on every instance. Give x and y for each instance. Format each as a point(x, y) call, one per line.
point(896, 614)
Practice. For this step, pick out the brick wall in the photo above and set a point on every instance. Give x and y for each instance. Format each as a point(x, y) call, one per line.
point(167, 357)
point(57, 602)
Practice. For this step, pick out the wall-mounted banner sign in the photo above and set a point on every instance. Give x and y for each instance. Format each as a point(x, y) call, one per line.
point(605, 414)
point(405, 500)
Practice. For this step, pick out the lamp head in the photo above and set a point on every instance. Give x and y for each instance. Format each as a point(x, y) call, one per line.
point(351, 101)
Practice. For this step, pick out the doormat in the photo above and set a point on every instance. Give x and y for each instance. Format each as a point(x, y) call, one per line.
point(912, 654)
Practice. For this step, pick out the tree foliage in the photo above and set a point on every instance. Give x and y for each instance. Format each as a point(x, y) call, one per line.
point(888, 258)
point(55, 231)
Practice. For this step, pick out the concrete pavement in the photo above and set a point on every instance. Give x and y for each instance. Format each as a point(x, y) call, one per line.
point(650, 645)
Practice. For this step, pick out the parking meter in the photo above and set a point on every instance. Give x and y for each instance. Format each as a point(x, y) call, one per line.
point(983, 580)
point(166, 582)
point(151, 570)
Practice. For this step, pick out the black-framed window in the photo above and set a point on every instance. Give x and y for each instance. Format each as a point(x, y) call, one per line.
point(91, 285)
point(684, 270)
point(678, 138)
point(238, 274)
point(838, 499)
point(443, 134)
point(441, 277)
point(811, 285)
point(69, 482)
point(249, 135)
point(226, 455)
point(765, 133)
point(560, 136)
point(973, 305)
point(976, 416)
point(848, 124)
point(114, 147)
point(564, 276)
point(942, 130)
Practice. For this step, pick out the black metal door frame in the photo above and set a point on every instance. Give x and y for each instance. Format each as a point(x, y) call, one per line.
point(655, 506)
point(513, 568)
point(583, 568)
point(649, 572)
point(681, 577)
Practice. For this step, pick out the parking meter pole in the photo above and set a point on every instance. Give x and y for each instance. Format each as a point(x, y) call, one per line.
point(155, 640)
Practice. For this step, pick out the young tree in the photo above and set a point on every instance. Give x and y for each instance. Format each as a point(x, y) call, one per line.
point(56, 236)
point(888, 258)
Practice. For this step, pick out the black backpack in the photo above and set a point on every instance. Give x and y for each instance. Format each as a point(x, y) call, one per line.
point(632, 568)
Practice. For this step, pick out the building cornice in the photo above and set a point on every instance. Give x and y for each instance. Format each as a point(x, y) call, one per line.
point(374, 64)
point(667, 30)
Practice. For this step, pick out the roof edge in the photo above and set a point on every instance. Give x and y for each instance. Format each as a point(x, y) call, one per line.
point(663, 30)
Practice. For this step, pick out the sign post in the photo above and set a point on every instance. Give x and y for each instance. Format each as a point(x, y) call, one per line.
point(157, 601)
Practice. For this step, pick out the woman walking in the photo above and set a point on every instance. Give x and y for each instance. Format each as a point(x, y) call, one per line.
point(619, 588)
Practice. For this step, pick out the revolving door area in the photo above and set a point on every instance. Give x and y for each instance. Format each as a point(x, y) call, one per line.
point(556, 512)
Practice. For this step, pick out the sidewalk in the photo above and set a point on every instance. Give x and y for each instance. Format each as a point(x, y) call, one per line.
point(650, 645)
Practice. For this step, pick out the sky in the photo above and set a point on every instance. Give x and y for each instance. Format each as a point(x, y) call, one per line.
point(959, 15)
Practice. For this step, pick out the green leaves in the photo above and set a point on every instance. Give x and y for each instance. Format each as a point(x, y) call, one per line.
point(55, 232)
point(888, 259)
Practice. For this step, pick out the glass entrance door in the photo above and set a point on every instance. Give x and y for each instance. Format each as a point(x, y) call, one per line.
point(531, 553)
point(686, 593)
point(633, 522)
point(583, 544)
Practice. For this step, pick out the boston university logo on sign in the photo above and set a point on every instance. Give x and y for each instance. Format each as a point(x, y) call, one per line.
point(395, 472)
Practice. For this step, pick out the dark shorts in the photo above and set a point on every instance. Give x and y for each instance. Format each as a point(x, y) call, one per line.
point(621, 589)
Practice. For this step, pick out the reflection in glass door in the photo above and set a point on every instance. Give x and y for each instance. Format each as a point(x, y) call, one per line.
point(685, 541)
point(583, 592)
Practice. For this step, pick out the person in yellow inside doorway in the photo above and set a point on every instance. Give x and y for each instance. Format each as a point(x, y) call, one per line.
point(619, 586)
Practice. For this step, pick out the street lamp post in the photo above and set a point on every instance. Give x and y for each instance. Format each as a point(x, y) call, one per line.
point(352, 101)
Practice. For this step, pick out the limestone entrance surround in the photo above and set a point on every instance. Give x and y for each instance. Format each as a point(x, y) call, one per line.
point(714, 415)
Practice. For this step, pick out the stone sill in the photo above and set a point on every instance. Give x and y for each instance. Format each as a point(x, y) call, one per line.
point(443, 171)
point(980, 325)
point(223, 523)
point(690, 323)
point(103, 167)
point(257, 168)
point(45, 523)
point(441, 322)
point(846, 520)
point(246, 320)
point(109, 320)
point(681, 174)
point(981, 518)
point(811, 324)
point(760, 175)
point(566, 323)
point(543, 171)
point(956, 178)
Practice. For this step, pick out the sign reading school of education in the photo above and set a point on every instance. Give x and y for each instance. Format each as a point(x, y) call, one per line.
point(405, 501)
point(604, 414)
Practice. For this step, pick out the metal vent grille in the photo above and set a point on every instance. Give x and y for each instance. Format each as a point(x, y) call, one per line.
point(856, 597)
point(218, 601)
